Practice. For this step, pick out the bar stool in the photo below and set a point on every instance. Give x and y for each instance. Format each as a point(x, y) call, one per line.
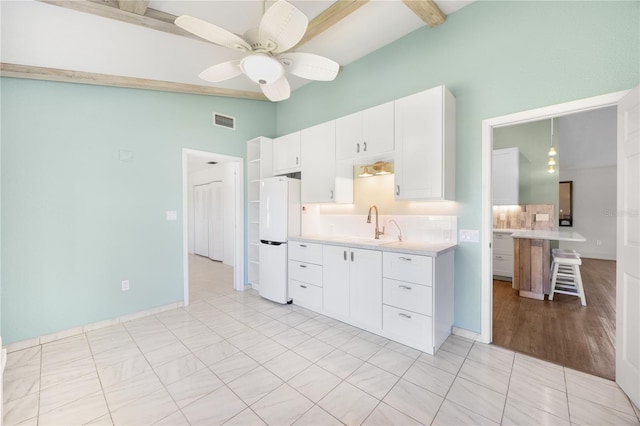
point(566, 278)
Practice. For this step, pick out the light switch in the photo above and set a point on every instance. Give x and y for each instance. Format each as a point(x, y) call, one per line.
point(172, 215)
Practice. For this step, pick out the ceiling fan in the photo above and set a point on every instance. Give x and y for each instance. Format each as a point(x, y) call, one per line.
point(281, 28)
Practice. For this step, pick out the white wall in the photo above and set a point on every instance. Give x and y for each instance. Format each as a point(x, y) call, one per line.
point(594, 207)
point(224, 172)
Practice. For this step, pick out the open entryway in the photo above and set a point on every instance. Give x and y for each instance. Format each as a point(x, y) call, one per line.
point(576, 188)
point(626, 213)
point(213, 229)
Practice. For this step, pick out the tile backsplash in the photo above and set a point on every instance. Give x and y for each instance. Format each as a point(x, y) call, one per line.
point(528, 216)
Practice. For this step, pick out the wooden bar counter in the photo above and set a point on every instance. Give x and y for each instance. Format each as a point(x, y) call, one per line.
point(532, 260)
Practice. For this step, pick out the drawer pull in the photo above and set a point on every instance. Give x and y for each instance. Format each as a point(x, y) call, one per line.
point(499, 257)
point(404, 287)
point(405, 259)
point(404, 315)
point(303, 245)
point(303, 266)
point(303, 286)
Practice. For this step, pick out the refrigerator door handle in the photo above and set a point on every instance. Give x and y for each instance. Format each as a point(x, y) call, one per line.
point(271, 243)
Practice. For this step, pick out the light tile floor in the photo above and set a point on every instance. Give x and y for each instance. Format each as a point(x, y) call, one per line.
point(235, 358)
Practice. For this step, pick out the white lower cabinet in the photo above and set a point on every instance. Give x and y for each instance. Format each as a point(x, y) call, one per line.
point(352, 285)
point(305, 275)
point(335, 281)
point(418, 299)
point(502, 255)
point(404, 297)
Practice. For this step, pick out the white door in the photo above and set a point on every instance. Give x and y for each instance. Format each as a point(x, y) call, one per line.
point(201, 219)
point(628, 250)
point(216, 221)
point(274, 201)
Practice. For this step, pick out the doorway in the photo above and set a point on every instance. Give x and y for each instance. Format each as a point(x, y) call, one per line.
point(207, 176)
point(488, 127)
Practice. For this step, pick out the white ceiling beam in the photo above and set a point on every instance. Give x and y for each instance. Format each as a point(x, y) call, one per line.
point(82, 77)
point(426, 10)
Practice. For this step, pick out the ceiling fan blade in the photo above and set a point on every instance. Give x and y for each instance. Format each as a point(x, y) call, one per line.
point(221, 72)
point(278, 90)
point(212, 33)
point(282, 27)
point(310, 66)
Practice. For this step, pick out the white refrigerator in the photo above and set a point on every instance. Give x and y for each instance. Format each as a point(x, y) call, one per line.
point(279, 220)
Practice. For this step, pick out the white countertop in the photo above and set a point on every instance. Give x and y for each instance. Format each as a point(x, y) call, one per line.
point(407, 247)
point(549, 235)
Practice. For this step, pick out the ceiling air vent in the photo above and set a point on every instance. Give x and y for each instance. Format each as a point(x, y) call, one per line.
point(220, 120)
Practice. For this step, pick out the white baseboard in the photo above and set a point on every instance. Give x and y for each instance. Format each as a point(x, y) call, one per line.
point(463, 332)
point(47, 338)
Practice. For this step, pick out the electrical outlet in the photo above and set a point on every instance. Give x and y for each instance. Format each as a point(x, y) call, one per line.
point(125, 285)
point(542, 217)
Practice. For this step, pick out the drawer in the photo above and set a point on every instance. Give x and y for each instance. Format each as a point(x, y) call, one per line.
point(410, 296)
point(305, 252)
point(305, 295)
point(503, 265)
point(408, 267)
point(408, 327)
point(305, 272)
point(502, 243)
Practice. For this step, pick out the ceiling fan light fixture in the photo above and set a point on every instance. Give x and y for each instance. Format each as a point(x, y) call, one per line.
point(261, 68)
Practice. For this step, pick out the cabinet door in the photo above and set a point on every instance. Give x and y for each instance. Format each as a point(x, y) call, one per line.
point(318, 144)
point(286, 154)
point(348, 136)
point(365, 288)
point(335, 281)
point(425, 146)
point(418, 142)
point(505, 176)
point(377, 129)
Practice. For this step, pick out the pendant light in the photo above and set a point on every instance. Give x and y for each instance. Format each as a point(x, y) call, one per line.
point(552, 153)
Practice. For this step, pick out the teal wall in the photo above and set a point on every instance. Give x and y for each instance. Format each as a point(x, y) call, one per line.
point(537, 185)
point(496, 58)
point(76, 220)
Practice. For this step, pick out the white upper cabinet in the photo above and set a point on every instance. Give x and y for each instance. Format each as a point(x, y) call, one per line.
point(365, 133)
point(425, 146)
point(286, 154)
point(505, 176)
point(323, 179)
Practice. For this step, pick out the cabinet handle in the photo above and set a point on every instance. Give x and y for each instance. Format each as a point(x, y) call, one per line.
point(303, 266)
point(365, 146)
point(352, 256)
point(303, 245)
point(404, 287)
point(345, 255)
point(357, 147)
point(331, 196)
point(499, 257)
point(397, 189)
point(405, 259)
point(297, 161)
point(404, 315)
point(303, 286)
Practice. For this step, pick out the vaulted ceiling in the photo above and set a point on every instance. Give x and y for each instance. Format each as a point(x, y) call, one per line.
point(134, 43)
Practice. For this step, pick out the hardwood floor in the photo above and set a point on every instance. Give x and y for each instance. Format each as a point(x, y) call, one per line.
point(562, 331)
